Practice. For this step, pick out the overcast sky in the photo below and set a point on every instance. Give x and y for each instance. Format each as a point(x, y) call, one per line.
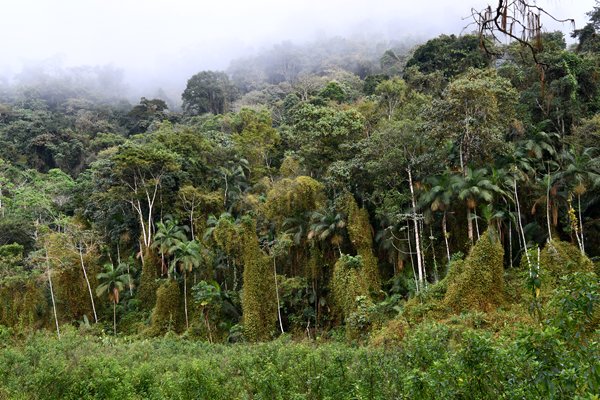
point(150, 37)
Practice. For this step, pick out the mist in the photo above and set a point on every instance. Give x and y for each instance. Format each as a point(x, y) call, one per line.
point(153, 47)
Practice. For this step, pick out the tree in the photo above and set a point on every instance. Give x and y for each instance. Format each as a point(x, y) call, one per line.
point(392, 93)
point(439, 197)
point(83, 240)
point(207, 295)
point(329, 227)
point(518, 20)
point(474, 114)
point(112, 282)
point(187, 257)
point(256, 141)
point(319, 132)
point(450, 54)
point(168, 236)
point(580, 172)
point(472, 187)
point(138, 171)
point(588, 35)
point(208, 92)
point(142, 115)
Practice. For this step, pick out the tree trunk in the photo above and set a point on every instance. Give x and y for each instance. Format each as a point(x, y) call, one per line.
point(87, 281)
point(207, 326)
point(410, 252)
point(185, 307)
point(580, 224)
point(417, 235)
point(548, 207)
point(445, 231)
point(192, 223)
point(277, 295)
point(521, 225)
point(435, 267)
point(49, 272)
point(115, 318)
point(510, 250)
point(470, 225)
point(477, 223)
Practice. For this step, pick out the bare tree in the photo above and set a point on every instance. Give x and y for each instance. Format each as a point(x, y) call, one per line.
point(519, 20)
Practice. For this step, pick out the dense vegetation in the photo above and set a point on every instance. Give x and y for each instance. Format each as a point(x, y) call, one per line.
point(309, 225)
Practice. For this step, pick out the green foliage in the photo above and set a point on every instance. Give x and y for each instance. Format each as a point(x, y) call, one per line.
point(480, 284)
point(319, 131)
point(208, 92)
point(433, 360)
point(450, 54)
point(256, 141)
point(334, 91)
point(575, 308)
point(11, 259)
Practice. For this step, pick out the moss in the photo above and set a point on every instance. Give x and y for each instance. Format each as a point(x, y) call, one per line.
point(391, 334)
point(290, 166)
point(315, 264)
point(167, 315)
point(226, 236)
point(361, 236)
point(23, 303)
point(259, 306)
point(480, 286)
point(348, 284)
point(428, 304)
point(560, 258)
point(290, 197)
point(148, 281)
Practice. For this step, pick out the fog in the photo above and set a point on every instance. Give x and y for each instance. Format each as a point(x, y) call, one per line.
point(161, 43)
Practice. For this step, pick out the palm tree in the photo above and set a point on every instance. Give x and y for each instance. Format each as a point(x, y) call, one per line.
point(235, 180)
point(439, 198)
point(472, 187)
point(112, 282)
point(328, 227)
point(581, 171)
point(168, 236)
point(187, 257)
point(296, 227)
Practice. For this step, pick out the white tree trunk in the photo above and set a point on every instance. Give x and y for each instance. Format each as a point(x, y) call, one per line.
point(470, 225)
point(548, 208)
point(87, 281)
point(49, 272)
point(277, 295)
point(417, 235)
point(521, 225)
point(580, 224)
point(445, 231)
point(185, 307)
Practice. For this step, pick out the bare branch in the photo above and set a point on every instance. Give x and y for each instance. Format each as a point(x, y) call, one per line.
point(518, 20)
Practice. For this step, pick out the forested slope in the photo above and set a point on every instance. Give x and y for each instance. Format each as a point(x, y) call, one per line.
point(443, 200)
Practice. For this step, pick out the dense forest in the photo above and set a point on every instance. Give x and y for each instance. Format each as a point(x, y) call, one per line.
point(334, 220)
